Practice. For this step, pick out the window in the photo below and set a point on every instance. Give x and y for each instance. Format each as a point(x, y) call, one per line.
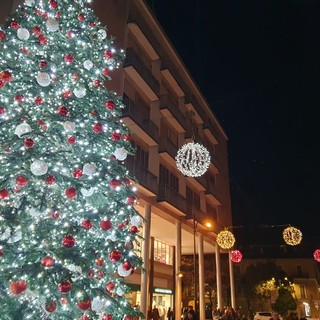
point(193, 199)
point(142, 157)
point(163, 252)
point(303, 293)
point(169, 132)
point(211, 211)
point(168, 178)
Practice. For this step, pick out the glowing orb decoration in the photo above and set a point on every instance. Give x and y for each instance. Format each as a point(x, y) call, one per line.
point(292, 236)
point(225, 239)
point(193, 159)
point(316, 255)
point(52, 25)
point(235, 256)
point(23, 34)
point(43, 79)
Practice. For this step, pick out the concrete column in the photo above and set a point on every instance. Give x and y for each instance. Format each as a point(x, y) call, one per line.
point(218, 275)
point(146, 263)
point(178, 288)
point(232, 288)
point(202, 305)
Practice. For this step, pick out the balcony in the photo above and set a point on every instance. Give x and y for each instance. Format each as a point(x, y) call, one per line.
point(144, 177)
point(208, 125)
point(172, 196)
point(165, 145)
point(140, 116)
point(132, 59)
point(211, 189)
point(166, 102)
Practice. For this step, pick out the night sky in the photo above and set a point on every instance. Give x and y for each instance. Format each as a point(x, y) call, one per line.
point(257, 62)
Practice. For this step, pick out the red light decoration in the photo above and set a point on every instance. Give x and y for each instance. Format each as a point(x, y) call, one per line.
point(235, 256)
point(316, 255)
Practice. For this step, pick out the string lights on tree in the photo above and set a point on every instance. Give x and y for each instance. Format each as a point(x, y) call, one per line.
point(292, 236)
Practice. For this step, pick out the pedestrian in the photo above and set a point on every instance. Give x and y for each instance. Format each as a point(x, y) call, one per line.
point(170, 314)
point(155, 313)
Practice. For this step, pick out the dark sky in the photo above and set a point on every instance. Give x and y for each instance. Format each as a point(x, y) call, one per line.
point(257, 62)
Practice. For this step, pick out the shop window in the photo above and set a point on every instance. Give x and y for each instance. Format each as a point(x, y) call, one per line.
point(163, 252)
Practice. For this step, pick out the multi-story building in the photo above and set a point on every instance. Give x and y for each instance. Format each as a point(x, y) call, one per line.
point(165, 109)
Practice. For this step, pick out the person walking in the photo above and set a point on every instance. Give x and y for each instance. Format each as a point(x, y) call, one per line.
point(170, 314)
point(155, 313)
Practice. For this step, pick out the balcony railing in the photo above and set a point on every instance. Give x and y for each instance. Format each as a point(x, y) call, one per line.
point(144, 177)
point(132, 59)
point(136, 112)
point(165, 145)
point(214, 191)
point(172, 196)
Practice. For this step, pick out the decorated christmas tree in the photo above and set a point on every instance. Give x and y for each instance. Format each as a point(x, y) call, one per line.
point(68, 228)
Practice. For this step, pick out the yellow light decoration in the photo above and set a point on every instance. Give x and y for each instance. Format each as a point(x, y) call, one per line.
point(292, 236)
point(225, 239)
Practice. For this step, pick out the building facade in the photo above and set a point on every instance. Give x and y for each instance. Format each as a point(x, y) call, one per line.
point(164, 108)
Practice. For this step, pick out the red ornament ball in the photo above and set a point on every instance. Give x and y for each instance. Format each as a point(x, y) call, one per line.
point(47, 262)
point(68, 241)
point(54, 215)
point(2, 110)
point(92, 24)
point(115, 256)
point(97, 128)
point(110, 105)
point(2, 35)
point(14, 25)
point(38, 100)
point(64, 287)
point(115, 136)
point(77, 173)
point(19, 98)
point(50, 179)
point(68, 94)
point(72, 140)
point(114, 183)
point(21, 181)
point(28, 143)
point(4, 194)
point(42, 39)
point(81, 17)
point(1, 252)
point(85, 317)
point(63, 111)
point(87, 224)
point(43, 64)
point(18, 287)
point(107, 317)
point(53, 4)
point(51, 306)
point(71, 192)
point(316, 255)
point(36, 31)
point(6, 76)
point(84, 305)
point(108, 54)
point(131, 199)
point(105, 225)
point(99, 262)
point(1, 84)
point(68, 58)
point(126, 265)
point(110, 286)
point(134, 229)
point(105, 72)
point(235, 256)
point(126, 137)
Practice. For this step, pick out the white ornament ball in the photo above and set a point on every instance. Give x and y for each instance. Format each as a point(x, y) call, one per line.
point(43, 79)
point(136, 221)
point(80, 92)
point(39, 167)
point(22, 129)
point(89, 169)
point(120, 154)
point(102, 34)
point(122, 272)
point(23, 34)
point(52, 25)
point(120, 292)
point(98, 305)
point(87, 193)
point(88, 64)
point(29, 2)
point(11, 236)
point(112, 237)
point(69, 126)
point(36, 213)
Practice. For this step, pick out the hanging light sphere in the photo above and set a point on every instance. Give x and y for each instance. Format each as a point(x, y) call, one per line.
point(225, 239)
point(193, 159)
point(235, 256)
point(316, 255)
point(292, 236)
